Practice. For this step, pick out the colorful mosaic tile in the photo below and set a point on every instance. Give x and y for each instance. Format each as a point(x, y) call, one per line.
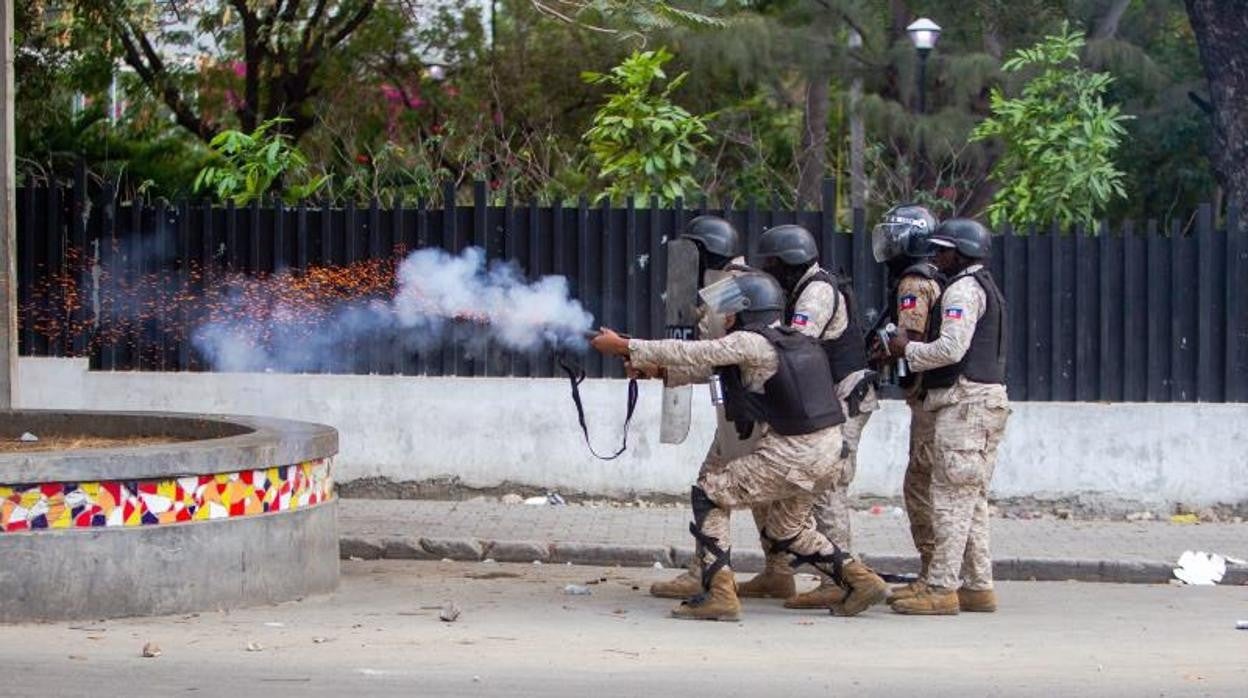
point(153, 502)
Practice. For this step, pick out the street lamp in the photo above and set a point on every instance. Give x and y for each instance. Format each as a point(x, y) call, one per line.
point(924, 33)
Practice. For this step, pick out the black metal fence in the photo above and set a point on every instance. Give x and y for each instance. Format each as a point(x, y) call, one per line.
point(1133, 312)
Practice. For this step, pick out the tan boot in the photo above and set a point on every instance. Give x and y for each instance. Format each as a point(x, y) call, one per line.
point(717, 603)
point(931, 601)
point(977, 601)
point(682, 587)
point(866, 589)
point(906, 591)
point(768, 585)
point(822, 596)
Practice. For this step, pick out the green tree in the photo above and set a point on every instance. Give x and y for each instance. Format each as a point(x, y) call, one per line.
point(1059, 138)
point(255, 164)
point(642, 142)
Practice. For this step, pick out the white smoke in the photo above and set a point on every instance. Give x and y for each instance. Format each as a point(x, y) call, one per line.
point(439, 298)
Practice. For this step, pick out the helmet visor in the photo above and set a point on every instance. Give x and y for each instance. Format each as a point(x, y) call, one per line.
point(889, 240)
point(724, 296)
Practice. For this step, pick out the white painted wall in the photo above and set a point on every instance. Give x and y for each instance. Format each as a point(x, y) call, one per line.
point(490, 430)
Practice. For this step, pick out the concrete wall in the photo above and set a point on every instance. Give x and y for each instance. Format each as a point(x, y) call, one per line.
point(489, 431)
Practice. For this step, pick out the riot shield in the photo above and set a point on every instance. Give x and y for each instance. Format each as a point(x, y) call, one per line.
point(680, 301)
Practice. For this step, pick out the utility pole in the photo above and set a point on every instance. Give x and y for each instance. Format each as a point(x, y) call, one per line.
point(8, 219)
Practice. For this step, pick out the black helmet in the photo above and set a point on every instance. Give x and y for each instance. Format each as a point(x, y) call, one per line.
point(714, 234)
point(969, 237)
point(764, 299)
point(903, 231)
point(791, 244)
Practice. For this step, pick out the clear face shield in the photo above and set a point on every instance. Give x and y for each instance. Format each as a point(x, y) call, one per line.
point(890, 239)
point(724, 297)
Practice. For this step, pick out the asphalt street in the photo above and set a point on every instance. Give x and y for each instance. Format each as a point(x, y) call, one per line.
point(520, 633)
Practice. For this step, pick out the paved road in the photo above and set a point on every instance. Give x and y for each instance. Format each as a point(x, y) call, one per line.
point(880, 535)
point(520, 635)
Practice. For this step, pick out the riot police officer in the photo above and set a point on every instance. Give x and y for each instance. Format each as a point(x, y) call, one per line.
point(778, 384)
point(963, 371)
point(718, 245)
point(820, 305)
point(900, 242)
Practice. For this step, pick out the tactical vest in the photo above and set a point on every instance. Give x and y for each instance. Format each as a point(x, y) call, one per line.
point(799, 399)
point(984, 361)
point(925, 269)
point(847, 353)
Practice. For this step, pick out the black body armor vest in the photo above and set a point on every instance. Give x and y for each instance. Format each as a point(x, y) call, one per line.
point(847, 353)
point(799, 399)
point(984, 361)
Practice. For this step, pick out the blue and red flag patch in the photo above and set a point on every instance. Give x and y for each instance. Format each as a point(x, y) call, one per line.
point(953, 313)
point(800, 320)
point(908, 302)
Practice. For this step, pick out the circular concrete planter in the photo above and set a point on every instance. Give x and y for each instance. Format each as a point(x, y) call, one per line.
point(243, 514)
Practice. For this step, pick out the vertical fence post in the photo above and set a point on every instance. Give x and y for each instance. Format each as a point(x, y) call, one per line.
point(82, 258)
point(1209, 372)
point(583, 276)
point(379, 342)
point(1159, 345)
point(1039, 315)
point(27, 249)
point(182, 342)
point(657, 267)
point(632, 291)
point(110, 271)
point(1181, 339)
point(1236, 330)
point(1134, 348)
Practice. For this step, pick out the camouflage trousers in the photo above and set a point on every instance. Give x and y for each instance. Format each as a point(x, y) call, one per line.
point(779, 479)
point(917, 486)
point(832, 508)
point(966, 437)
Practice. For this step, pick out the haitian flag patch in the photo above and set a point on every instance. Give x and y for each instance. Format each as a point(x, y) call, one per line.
point(953, 313)
point(800, 320)
point(909, 302)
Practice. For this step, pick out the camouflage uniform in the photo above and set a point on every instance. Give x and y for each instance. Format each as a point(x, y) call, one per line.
point(783, 472)
point(916, 296)
point(820, 313)
point(727, 443)
point(969, 420)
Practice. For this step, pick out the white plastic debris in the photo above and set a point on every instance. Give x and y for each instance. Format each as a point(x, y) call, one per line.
point(537, 562)
point(1234, 560)
point(28, 438)
point(274, 625)
point(488, 561)
point(536, 501)
point(1200, 568)
point(151, 650)
point(449, 613)
point(658, 565)
point(1241, 625)
point(255, 647)
point(576, 590)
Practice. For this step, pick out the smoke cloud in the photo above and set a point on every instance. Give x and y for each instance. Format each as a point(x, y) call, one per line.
point(437, 298)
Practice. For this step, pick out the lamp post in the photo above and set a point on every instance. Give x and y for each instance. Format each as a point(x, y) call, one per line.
point(924, 33)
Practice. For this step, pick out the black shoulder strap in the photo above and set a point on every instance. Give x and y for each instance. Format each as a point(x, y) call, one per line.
point(576, 376)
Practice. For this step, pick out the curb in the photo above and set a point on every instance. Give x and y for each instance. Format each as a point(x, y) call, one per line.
point(607, 554)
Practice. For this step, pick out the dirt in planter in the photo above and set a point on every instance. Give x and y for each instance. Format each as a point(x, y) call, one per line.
point(78, 443)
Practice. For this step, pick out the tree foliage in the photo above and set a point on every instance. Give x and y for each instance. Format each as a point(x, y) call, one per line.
point(253, 165)
point(643, 143)
point(1058, 137)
